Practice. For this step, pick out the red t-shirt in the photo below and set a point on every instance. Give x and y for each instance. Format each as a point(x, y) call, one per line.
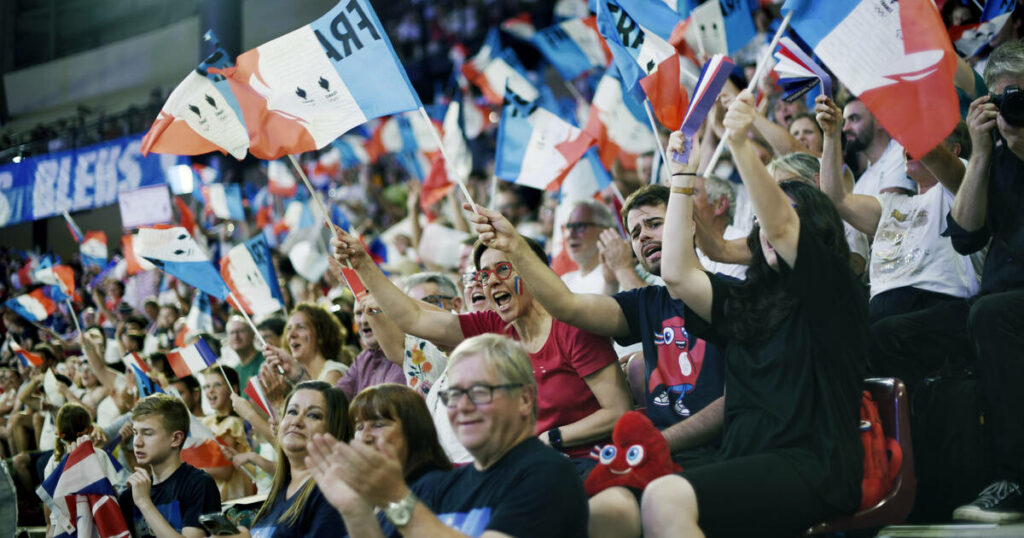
point(569, 355)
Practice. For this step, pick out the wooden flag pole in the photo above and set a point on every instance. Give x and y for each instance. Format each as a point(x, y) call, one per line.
point(657, 139)
point(323, 211)
point(74, 317)
point(444, 155)
point(752, 87)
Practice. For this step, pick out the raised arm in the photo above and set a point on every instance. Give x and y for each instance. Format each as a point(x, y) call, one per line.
point(971, 205)
point(439, 327)
point(680, 268)
point(945, 166)
point(781, 141)
point(774, 210)
point(599, 314)
point(862, 212)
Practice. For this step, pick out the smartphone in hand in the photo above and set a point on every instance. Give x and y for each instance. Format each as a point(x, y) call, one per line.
point(217, 524)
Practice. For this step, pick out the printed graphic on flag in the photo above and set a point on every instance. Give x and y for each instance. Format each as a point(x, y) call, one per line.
point(191, 359)
point(249, 273)
point(175, 251)
point(201, 115)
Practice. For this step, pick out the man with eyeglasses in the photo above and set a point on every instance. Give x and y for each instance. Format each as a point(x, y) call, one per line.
point(588, 219)
point(515, 486)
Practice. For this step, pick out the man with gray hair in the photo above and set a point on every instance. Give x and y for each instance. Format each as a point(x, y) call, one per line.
point(515, 486)
point(586, 222)
point(990, 208)
point(714, 202)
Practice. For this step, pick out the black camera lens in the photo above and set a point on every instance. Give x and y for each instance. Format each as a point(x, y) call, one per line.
point(1011, 105)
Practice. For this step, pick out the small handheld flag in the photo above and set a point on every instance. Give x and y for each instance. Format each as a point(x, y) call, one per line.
point(254, 390)
point(175, 251)
point(536, 148)
point(249, 273)
point(191, 359)
point(970, 39)
point(712, 79)
point(28, 359)
point(35, 306)
point(798, 72)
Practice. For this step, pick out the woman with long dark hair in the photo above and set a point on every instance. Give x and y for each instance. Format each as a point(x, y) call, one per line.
point(795, 335)
point(294, 505)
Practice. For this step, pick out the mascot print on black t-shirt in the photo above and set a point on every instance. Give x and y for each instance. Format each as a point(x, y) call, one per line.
point(678, 365)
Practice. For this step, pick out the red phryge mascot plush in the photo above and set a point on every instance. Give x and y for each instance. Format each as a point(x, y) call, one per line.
point(637, 455)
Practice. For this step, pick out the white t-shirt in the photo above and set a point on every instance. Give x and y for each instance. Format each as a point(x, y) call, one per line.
point(889, 171)
point(592, 282)
point(858, 241)
point(734, 270)
point(909, 249)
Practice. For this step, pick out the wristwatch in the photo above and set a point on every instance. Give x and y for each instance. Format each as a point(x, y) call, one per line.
point(399, 513)
point(555, 438)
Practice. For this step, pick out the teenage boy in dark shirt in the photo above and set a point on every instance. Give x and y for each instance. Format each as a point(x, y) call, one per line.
point(166, 496)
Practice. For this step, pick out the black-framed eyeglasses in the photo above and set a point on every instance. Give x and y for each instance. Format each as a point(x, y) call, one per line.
point(437, 300)
point(501, 271)
point(573, 227)
point(478, 394)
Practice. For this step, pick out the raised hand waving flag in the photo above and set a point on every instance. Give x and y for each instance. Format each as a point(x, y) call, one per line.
point(536, 148)
point(895, 56)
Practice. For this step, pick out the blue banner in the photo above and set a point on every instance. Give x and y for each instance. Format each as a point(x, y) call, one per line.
point(75, 180)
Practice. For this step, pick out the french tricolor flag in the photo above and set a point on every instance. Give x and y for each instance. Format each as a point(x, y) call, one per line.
point(644, 59)
point(248, 271)
point(201, 448)
point(721, 26)
point(191, 359)
point(94, 249)
point(536, 148)
point(573, 47)
point(176, 252)
point(146, 385)
point(254, 390)
point(225, 201)
point(615, 127)
point(798, 72)
point(493, 69)
point(81, 495)
point(28, 359)
point(710, 83)
point(352, 149)
point(202, 114)
point(898, 60)
point(60, 276)
point(35, 306)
